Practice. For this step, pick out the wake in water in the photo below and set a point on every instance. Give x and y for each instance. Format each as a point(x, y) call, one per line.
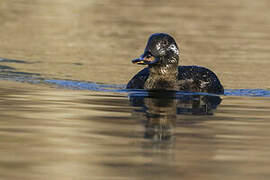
point(10, 73)
point(121, 88)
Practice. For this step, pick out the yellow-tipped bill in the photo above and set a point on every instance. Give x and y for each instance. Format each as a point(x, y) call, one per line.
point(144, 61)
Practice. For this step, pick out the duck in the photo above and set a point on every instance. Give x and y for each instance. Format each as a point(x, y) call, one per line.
point(161, 56)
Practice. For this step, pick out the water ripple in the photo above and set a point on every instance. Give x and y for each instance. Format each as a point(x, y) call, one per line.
point(247, 92)
point(10, 73)
point(121, 88)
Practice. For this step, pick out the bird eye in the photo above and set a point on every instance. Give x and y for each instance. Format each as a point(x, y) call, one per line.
point(165, 42)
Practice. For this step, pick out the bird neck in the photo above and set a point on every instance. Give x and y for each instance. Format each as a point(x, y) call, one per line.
point(162, 76)
point(163, 71)
point(166, 66)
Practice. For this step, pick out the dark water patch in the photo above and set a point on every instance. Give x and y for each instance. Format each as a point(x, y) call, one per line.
point(78, 64)
point(11, 75)
point(12, 61)
point(6, 68)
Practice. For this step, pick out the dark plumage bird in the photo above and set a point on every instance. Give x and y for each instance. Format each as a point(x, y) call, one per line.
point(163, 73)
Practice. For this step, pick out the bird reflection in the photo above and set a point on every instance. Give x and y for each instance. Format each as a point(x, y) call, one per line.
point(162, 110)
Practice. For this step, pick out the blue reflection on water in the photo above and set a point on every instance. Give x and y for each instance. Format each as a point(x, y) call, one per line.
point(11, 74)
point(247, 92)
point(121, 88)
point(86, 85)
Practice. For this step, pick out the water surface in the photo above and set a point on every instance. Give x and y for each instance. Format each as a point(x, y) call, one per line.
point(65, 112)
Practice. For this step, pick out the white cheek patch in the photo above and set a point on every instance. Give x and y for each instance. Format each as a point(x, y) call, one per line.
point(174, 49)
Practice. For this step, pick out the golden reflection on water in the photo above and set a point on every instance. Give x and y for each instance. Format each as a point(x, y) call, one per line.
point(51, 134)
point(70, 134)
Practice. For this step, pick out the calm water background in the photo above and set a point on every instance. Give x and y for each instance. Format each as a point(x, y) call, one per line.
point(65, 115)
